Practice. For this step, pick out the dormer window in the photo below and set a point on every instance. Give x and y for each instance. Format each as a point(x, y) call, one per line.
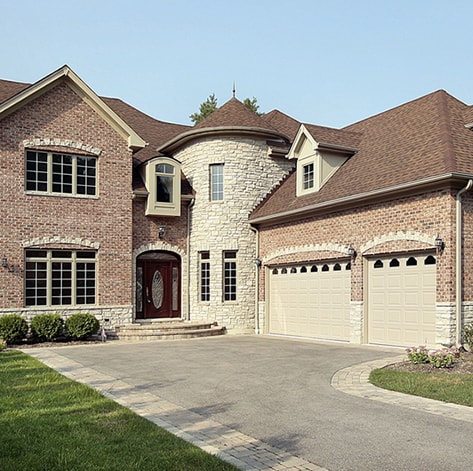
point(162, 177)
point(308, 176)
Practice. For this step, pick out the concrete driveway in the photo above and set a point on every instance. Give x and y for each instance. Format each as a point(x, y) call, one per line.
point(274, 398)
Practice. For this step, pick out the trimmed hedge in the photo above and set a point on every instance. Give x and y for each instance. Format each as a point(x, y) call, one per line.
point(81, 326)
point(47, 327)
point(13, 328)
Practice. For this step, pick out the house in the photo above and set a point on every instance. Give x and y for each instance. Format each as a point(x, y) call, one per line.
point(257, 223)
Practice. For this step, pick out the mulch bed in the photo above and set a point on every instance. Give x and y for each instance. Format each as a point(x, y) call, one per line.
point(462, 365)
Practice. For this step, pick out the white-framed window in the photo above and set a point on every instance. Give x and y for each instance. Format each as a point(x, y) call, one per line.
point(162, 176)
point(60, 174)
point(205, 276)
point(229, 275)
point(60, 277)
point(308, 176)
point(216, 182)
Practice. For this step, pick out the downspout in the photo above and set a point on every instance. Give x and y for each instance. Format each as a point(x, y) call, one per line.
point(257, 272)
point(458, 263)
point(189, 210)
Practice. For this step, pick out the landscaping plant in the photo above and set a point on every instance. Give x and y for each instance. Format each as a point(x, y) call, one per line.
point(47, 327)
point(13, 328)
point(440, 358)
point(468, 336)
point(81, 326)
point(418, 355)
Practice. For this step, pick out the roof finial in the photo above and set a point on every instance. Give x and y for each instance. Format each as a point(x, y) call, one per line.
point(234, 89)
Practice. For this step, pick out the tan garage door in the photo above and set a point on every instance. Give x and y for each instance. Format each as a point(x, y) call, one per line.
point(310, 301)
point(401, 300)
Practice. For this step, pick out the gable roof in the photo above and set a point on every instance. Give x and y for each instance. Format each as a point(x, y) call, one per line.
point(416, 144)
point(23, 95)
point(282, 122)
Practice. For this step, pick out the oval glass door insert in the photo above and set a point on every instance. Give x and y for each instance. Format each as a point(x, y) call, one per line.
point(157, 288)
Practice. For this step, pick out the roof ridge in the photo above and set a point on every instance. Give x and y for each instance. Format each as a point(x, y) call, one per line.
point(445, 127)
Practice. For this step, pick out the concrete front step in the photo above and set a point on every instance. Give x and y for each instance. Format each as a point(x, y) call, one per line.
point(167, 330)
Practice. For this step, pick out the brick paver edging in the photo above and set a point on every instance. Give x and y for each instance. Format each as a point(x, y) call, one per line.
point(354, 380)
point(245, 452)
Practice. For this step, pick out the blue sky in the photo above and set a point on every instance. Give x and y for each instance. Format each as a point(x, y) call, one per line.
point(331, 62)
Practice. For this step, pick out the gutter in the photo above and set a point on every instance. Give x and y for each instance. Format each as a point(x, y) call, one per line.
point(257, 273)
point(459, 262)
point(349, 200)
point(189, 210)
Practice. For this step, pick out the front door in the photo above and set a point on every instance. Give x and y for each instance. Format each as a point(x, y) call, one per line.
point(160, 290)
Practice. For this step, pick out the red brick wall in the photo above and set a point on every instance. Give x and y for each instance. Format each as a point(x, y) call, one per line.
point(106, 220)
point(429, 215)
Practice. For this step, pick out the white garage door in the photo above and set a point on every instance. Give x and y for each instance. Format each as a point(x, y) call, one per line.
point(401, 300)
point(310, 301)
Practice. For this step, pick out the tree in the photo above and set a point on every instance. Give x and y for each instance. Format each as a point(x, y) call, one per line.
point(206, 108)
point(210, 105)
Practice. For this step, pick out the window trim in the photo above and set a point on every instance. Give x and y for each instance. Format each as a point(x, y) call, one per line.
point(216, 188)
point(50, 174)
point(204, 276)
point(150, 175)
point(52, 256)
point(229, 276)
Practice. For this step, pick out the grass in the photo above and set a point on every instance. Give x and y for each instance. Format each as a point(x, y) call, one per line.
point(454, 388)
point(48, 422)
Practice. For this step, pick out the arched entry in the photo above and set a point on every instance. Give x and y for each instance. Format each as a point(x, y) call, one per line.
point(158, 285)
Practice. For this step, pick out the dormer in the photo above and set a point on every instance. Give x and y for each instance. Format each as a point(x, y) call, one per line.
point(162, 177)
point(320, 152)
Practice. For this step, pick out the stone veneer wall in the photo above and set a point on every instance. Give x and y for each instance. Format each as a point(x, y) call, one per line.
point(217, 226)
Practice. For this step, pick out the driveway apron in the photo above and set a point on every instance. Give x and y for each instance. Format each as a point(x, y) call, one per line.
point(276, 392)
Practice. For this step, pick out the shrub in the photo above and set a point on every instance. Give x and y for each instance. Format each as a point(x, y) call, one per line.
point(468, 336)
point(418, 354)
point(3, 346)
point(81, 326)
point(443, 358)
point(13, 328)
point(47, 326)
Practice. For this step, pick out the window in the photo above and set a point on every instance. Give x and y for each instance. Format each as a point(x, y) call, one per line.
point(164, 183)
point(162, 177)
point(229, 275)
point(59, 277)
point(62, 174)
point(216, 182)
point(205, 276)
point(308, 176)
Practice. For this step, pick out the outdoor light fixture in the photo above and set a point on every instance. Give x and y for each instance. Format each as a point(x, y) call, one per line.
point(6, 265)
point(258, 262)
point(162, 230)
point(439, 244)
point(351, 252)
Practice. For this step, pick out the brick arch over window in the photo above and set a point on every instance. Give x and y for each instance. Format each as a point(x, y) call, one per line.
point(48, 240)
point(66, 143)
point(423, 239)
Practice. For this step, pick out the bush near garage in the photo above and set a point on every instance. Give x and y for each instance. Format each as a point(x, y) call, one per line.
point(81, 326)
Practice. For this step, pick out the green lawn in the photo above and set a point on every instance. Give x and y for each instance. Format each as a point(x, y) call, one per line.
point(48, 422)
point(454, 388)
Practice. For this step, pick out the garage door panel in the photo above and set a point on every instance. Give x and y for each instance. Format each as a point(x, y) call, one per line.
point(314, 304)
point(402, 298)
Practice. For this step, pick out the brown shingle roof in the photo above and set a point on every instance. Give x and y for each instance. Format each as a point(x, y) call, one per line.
point(9, 89)
point(283, 123)
point(234, 114)
point(334, 137)
point(420, 139)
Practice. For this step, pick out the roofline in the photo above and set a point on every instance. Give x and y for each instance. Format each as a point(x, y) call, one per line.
point(187, 136)
point(367, 197)
point(84, 91)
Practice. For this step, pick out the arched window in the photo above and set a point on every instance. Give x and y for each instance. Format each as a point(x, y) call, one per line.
point(394, 262)
point(325, 268)
point(293, 270)
point(348, 266)
point(337, 267)
point(275, 271)
point(303, 270)
point(314, 269)
point(378, 264)
point(284, 271)
point(430, 260)
point(411, 261)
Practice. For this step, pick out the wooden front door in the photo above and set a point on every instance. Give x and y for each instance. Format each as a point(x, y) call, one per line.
point(160, 289)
